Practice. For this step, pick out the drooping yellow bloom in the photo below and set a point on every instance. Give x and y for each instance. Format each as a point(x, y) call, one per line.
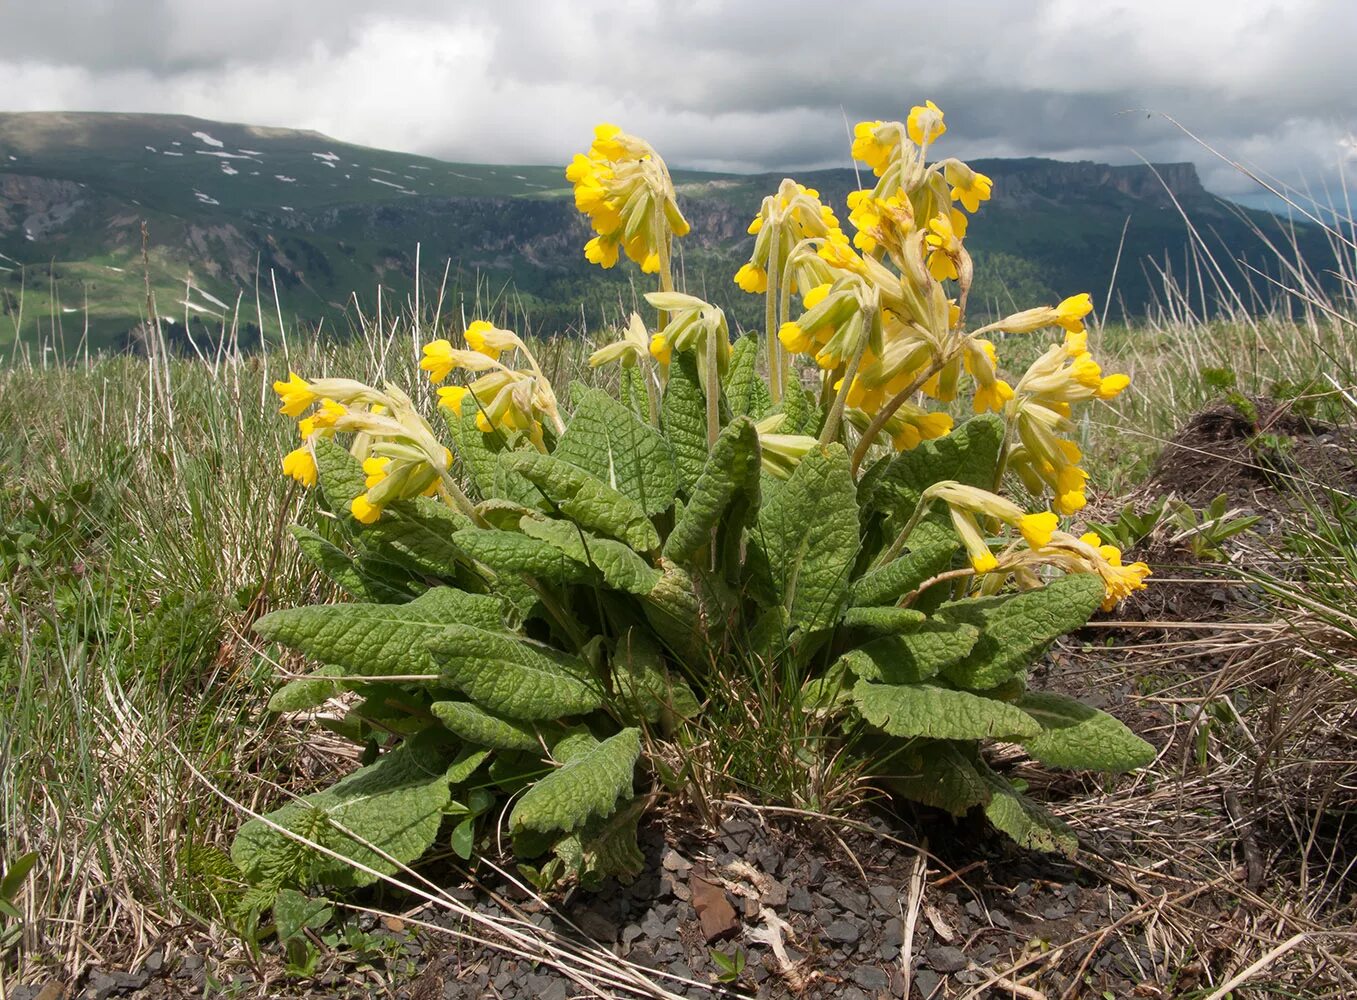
point(944, 240)
point(441, 359)
point(793, 214)
point(624, 187)
point(296, 393)
point(875, 144)
point(925, 123)
point(1071, 312)
point(363, 510)
point(967, 186)
point(300, 464)
point(485, 338)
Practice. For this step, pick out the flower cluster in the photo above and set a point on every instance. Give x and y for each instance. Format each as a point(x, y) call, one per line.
point(793, 215)
point(401, 457)
point(625, 189)
point(507, 400)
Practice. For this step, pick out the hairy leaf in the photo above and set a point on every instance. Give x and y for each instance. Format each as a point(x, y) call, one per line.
point(644, 686)
point(417, 534)
point(378, 639)
point(1015, 629)
point(1079, 736)
point(508, 552)
point(730, 472)
point(586, 500)
point(913, 656)
point(339, 475)
point(941, 774)
point(888, 620)
point(395, 804)
point(675, 611)
point(940, 713)
point(968, 455)
point(931, 547)
point(622, 568)
point(314, 689)
point(1024, 820)
point(745, 390)
point(339, 567)
point(607, 439)
point(808, 533)
point(684, 417)
point(475, 725)
point(589, 784)
point(513, 677)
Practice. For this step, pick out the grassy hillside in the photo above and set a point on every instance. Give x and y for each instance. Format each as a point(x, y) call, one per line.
point(233, 213)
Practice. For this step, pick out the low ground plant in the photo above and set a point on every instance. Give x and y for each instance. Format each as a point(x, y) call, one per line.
point(554, 597)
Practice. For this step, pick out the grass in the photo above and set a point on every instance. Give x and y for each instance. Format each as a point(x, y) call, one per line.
point(142, 528)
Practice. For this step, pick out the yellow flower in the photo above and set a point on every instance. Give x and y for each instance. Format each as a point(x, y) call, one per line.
point(363, 510)
point(296, 393)
point(601, 251)
point(977, 548)
point(300, 464)
point(450, 397)
point(1038, 528)
point(991, 398)
point(485, 338)
point(968, 187)
point(327, 416)
point(375, 470)
point(752, 278)
point(441, 358)
point(945, 242)
point(925, 123)
point(1071, 312)
point(660, 349)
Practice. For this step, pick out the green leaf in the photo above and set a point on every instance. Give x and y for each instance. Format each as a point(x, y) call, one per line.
point(509, 552)
point(340, 477)
point(808, 534)
point(1076, 735)
point(396, 804)
point(732, 471)
point(586, 500)
point(914, 656)
point(418, 535)
point(675, 611)
point(622, 568)
point(1024, 820)
point(477, 452)
point(931, 547)
point(609, 846)
point(514, 677)
point(294, 912)
point(968, 455)
point(475, 725)
point(1015, 629)
point(803, 416)
point(888, 620)
point(314, 689)
point(941, 774)
point(15, 875)
point(588, 785)
point(463, 838)
point(940, 713)
point(468, 760)
point(684, 418)
point(607, 439)
point(745, 390)
point(378, 639)
point(339, 567)
point(631, 389)
point(645, 688)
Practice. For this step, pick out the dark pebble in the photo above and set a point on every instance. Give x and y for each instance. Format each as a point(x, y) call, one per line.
point(799, 900)
point(926, 982)
point(871, 977)
point(945, 958)
point(844, 931)
point(886, 898)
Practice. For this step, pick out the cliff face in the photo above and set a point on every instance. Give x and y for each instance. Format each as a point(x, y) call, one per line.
point(1057, 180)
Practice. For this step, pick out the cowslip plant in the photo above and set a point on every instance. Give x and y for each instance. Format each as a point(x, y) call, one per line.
point(549, 598)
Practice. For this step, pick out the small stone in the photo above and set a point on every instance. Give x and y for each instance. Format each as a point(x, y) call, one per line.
point(630, 933)
point(750, 907)
point(844, 931)
point(652, 926)
point(975, 909)
point(854, 902)
point(191, 964)
point(714, 911)
point(853, 993)
point(774, 895)
point(926, 982)
point(682, 892)
point(886, 898)
point(155, 962)
point(870, 977)
point(672, 861)
point(799, 900)
point(768, 859)
point(558, 990)
point(815, 873)
point(598, 927)
point(945, 958)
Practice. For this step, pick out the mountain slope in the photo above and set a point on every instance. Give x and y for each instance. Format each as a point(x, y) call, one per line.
point(230, 208)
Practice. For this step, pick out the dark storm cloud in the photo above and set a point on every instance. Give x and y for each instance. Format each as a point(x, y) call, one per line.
point(749, 85)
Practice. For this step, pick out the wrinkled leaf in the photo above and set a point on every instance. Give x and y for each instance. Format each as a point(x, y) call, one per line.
point(940, 713)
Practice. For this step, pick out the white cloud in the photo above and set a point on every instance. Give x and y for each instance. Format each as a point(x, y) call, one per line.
point(750, 85)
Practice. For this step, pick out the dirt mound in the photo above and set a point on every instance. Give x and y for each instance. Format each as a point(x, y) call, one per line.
point(1228, 449)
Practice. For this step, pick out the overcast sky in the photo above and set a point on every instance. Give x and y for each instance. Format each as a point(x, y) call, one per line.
point(721, 84)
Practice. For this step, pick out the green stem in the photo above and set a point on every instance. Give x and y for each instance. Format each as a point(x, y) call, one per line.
point(831, 429)
point(455, 497)
point(888, 411)
point(713, 391)
point(770, 318)
point(898, 545)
